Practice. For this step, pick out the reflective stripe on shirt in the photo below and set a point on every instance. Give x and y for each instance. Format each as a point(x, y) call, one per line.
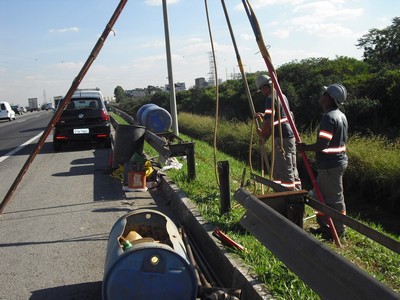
point(268, 112)
point(289, 185)
point(325, 135)
point(283, 120)
point(334, 150)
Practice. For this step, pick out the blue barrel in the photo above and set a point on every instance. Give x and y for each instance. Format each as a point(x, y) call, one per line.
point(141, 110)
point(154, 265)
point(154, 118)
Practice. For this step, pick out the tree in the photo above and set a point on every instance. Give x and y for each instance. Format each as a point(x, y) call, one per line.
point(382, 46)
point(119, 94)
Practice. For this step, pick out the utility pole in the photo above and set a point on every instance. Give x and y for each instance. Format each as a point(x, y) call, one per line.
point(211, 73)
point(44, 96)
point(172, 97)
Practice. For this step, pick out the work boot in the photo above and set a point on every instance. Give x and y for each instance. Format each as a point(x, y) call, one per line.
point(324, 232)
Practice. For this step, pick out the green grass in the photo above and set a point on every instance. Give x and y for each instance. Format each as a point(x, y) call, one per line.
point(118, 119)
point(281, 282)
point(373, 173)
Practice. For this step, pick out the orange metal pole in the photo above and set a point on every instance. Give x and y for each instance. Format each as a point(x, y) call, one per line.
point(64, 103)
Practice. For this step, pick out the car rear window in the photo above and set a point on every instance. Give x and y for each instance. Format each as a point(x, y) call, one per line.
point(79, 104)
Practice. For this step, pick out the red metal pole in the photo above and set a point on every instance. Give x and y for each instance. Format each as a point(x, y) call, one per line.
point(272, 73)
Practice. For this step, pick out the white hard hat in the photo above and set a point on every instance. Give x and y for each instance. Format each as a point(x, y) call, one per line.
point(261, 80)
point(338, 92)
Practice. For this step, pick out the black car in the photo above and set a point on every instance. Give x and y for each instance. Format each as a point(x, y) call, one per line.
point(84, 119)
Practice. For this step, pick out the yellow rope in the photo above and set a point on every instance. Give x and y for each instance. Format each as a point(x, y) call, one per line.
point(216, 95)
point(264, 158)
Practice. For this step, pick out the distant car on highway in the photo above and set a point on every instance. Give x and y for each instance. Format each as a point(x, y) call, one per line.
point(17, 109)
point(49, 106)
point(84, 119)
point(6, 112)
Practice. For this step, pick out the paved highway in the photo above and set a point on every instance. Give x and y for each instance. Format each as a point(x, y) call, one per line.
point(25, 129)
point(54, 229)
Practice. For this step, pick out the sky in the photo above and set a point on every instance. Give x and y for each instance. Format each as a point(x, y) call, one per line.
point(45, 43)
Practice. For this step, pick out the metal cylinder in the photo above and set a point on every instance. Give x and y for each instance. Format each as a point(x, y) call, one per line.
point(150, 263)
point(128, 140)
point(154, 118)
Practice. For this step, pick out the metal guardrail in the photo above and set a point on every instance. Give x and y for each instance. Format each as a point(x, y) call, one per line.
point(124, 115)
point(169, 145)
point(361, 228)
point(334, 214)
point(327, 273)
point(227, 268)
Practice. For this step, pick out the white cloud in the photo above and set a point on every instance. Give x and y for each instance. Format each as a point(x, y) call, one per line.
point(247, 37)
point(153, 44)
point(63, 30)
point(34, 77)
point(331, 29)
point(69, 65)
point(159, 2)
point(263, 3)
point(320, 11)
point(147, 61)
point(281, 33)
point(324, 17)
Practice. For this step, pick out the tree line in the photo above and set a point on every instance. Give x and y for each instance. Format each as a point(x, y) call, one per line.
point(373, 86)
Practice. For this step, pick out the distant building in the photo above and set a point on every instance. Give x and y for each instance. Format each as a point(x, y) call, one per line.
point(109, 98)
point(179, 86)
point(136, 93)
point(200, 82)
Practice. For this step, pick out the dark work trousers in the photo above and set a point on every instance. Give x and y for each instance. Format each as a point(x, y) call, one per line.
point(330, 182)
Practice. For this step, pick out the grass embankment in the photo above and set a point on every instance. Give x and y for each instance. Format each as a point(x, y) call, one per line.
point(372, 176)
point(204, 192)
point(118, 119)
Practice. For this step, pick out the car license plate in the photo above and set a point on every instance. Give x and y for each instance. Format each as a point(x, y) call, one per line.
point(81, 130)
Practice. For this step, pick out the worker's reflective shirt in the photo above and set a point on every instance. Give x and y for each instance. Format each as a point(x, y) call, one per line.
point(333, 134)
point(286, 130)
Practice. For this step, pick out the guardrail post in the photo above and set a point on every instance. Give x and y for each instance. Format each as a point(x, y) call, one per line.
point(224, 186)
point(191, 166)
point(329, 274)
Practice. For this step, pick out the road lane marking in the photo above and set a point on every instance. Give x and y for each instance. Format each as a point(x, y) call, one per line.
point(12, 152)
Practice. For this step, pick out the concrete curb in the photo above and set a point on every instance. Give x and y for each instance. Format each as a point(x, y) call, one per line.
point(227, 266)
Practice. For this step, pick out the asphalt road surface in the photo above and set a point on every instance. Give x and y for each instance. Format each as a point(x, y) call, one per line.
point(54, 230)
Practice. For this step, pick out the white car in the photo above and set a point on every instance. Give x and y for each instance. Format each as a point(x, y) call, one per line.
point(49, 106)
point(6, 112)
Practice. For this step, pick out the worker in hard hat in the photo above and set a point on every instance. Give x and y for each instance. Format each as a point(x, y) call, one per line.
point(331, 158)
point(285, 165)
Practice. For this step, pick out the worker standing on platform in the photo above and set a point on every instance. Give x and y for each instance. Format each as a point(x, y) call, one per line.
point(285, 165)
point(331, 157)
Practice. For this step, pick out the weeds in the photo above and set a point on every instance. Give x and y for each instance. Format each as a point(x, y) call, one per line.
point(281, 282)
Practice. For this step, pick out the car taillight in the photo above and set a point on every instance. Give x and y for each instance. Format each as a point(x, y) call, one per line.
point(104, 115)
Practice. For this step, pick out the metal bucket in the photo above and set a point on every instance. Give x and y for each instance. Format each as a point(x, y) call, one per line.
point(128, 140)
point(152, 264)
point(154, 118)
